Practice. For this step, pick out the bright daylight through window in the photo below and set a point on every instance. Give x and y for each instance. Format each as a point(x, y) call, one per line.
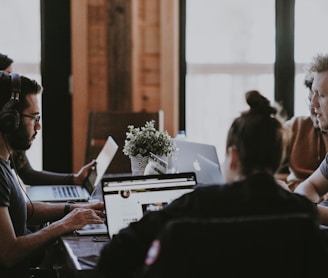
point(230, 49)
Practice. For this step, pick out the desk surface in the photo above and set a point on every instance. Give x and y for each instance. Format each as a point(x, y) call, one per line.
point(82, 251)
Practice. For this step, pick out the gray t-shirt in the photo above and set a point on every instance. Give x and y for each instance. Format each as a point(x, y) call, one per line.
point(11, 196)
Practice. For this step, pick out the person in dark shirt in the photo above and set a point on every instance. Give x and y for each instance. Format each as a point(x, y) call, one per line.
point(19, 125)
point(26, 172)
point(254, 151)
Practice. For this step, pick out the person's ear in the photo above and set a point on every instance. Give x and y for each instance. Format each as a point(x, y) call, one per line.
point(234, 158)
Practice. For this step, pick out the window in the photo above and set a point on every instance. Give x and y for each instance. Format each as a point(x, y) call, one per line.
point(230, 49)
point(310, 23)
point(21, 41)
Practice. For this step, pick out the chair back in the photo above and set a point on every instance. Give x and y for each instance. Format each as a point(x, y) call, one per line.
point(115, 124)
point(263, 246)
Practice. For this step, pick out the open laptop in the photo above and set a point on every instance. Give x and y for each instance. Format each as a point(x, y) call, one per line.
point(199, 158)
point(64, 193)
point(128, 198)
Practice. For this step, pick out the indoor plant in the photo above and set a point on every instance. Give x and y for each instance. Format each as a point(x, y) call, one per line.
point(140, 142)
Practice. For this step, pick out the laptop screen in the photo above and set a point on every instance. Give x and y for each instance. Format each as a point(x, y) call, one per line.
point(127, 199)
point(199, 158)
point(103, 160)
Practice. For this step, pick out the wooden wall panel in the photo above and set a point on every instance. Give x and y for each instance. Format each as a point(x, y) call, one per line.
point(97, 55)
point(146, 55)
point(80, 81)
point(119, 55)
point(89, 68)
point(169, 64)
point(124, 58)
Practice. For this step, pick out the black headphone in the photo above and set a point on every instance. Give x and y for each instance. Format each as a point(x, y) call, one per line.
point(9, 117)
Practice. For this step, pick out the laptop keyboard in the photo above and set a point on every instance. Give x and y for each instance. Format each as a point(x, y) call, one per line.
point(65, 192)
point(93, 229)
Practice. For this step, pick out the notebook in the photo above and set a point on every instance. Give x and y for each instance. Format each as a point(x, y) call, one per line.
point(128, 198)
point(199, 158)
point(64, 193)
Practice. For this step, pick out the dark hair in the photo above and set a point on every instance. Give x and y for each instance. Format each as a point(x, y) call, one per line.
point(258, 136)
point(309, 76)
point(5, 61)
point(28, 86)
point(308, 81)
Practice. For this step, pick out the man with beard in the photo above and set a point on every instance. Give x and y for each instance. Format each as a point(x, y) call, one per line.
point(305, 139)
point(24, 169)
point(316, 185)
point(19, 125)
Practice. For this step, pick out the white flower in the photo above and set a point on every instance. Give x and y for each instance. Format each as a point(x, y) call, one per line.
point(147, 139)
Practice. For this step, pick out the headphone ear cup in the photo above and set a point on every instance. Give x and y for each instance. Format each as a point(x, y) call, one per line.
point(9, 117)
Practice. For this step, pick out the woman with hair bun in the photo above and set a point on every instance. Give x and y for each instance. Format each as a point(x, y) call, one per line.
point(254, 151)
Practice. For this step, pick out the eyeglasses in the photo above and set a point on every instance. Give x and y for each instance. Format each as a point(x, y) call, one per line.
point(36, 118)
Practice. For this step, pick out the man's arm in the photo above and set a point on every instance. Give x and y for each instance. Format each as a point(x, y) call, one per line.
point(41, 212)
point(16, 248)
point(314, 187)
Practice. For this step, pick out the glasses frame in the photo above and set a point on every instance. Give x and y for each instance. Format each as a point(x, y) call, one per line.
point(36, 118)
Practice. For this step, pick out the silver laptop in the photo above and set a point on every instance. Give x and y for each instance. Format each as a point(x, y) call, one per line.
point(199, 158)
point(64, 193)
point(128, 198)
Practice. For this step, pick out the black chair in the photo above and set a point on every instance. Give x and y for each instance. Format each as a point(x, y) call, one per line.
point(262, 246)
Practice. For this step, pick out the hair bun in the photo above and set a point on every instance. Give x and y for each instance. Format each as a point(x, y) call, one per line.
point(259, 104)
